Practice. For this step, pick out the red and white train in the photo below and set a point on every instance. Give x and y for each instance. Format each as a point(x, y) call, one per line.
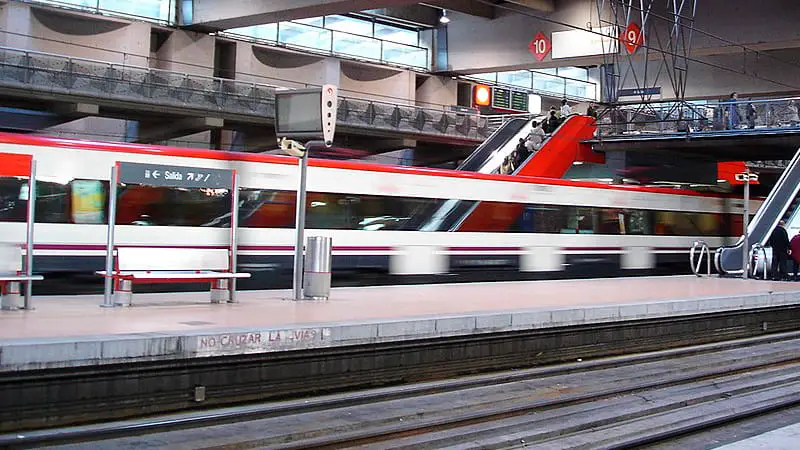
point(383, 219)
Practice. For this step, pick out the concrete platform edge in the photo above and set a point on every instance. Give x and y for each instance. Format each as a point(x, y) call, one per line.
point(82, 351)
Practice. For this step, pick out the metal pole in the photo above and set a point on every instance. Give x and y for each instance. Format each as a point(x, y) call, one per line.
point(112, 218)
point(234, 233)
point(745, 220)
point(300, 223)
point(29, 235)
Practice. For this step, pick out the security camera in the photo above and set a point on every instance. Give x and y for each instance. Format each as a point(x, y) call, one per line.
point(292, 148)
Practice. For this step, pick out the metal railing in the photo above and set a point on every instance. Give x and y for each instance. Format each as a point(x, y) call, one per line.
point(31, 72)
point(704, 251)
point(700, 117)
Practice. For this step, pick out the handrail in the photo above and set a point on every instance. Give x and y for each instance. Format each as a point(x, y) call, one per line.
point(755, 250)
point(704, 249)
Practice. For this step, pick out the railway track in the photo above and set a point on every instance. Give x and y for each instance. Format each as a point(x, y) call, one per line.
point(620, 402)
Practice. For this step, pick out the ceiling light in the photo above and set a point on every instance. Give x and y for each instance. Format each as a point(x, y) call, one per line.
point(444, 19)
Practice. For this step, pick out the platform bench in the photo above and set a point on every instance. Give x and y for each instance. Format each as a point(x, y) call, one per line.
point(171, 265)
point(11, 276)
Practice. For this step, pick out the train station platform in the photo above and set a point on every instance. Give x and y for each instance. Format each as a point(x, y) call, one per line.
point(73, 331)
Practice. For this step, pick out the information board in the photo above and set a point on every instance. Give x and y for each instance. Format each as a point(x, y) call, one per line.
point(175, 176)
point(501, 98)
point(519, 101)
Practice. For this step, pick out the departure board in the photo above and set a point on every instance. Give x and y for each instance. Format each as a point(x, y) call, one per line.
point(519, 101)
point(501, 98)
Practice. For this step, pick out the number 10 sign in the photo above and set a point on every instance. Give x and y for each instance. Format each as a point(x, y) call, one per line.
point(539, 46)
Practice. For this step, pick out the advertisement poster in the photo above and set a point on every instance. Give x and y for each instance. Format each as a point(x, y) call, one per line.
point(88, 201)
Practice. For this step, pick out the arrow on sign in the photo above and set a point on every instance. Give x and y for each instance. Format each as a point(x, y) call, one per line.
point(156, 174)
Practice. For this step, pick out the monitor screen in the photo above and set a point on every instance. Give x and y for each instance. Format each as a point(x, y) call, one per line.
point(298, 113)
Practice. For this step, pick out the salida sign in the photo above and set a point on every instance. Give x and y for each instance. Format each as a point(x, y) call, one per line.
point(540, 46)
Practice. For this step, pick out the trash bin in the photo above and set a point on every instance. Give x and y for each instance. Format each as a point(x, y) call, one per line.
point(317, 268)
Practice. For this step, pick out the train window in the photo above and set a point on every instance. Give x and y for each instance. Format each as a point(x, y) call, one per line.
point(52, 201)
point(13, 203)
point(160, 206)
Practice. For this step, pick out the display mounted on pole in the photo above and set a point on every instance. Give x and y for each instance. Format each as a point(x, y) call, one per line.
point(540, 46)
point(308, 114)
point(746, 177)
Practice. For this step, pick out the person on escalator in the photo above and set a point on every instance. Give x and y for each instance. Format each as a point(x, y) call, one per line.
point(794, 247)
point(779, 241)
point(566, 110)
point(520, 153)
point(553, 122)
point(535, 138)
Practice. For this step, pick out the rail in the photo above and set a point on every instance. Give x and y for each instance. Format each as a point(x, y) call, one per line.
point(755, 251)
point(27, 74)
point(704, 250)
point(698, 117)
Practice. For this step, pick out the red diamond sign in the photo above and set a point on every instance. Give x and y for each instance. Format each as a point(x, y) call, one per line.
point(632, 38)
point(539, 46)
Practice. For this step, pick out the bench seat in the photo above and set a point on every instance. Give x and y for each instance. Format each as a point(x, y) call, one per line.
point(17, 278)
point(178, 275)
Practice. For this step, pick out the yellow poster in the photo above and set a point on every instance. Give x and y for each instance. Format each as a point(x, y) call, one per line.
point(88, 201)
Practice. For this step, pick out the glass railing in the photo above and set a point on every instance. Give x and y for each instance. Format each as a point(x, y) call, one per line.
point(334, 43)
point(704, 116)
point(543, 83)
point(161, 11)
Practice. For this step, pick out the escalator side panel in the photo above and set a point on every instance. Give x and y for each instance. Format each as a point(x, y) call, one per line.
point(562, 149)
point(498, 139)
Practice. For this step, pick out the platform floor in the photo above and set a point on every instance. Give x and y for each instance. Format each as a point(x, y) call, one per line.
point(75, 330)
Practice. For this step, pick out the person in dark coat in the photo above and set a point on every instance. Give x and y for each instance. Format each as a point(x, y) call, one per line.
point(779, 241)
point(553, 122)
point(794, 247)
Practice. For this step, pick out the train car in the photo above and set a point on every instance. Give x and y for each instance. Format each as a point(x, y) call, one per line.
point(384, 220)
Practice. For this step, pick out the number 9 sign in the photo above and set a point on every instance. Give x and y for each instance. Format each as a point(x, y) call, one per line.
point(632, 38)
point(539, 46)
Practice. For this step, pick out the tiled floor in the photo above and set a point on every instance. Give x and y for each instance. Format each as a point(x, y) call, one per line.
point(73, 316)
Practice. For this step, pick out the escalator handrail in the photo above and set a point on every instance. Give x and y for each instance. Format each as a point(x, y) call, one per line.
point(489, 141)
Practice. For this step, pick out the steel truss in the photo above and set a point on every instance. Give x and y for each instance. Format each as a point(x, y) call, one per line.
point(666, 41)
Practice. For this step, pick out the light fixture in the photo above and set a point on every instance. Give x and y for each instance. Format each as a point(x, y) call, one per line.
point(444, 19)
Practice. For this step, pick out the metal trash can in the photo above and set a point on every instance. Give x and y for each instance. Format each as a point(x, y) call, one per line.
point(317, 268)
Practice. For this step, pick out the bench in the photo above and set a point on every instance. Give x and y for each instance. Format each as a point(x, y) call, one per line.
point(171, 265)
point(11, 276)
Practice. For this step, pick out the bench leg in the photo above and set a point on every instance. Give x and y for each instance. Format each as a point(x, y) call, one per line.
point(220, 292)
point(10, 297)
point(123, 294)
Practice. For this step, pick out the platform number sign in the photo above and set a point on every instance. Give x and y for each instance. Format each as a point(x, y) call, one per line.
point(632, 38)
point(540, 46)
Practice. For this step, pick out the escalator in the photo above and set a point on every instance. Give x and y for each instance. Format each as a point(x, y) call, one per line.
point(554, 158)
point(508, 134)
point(781, 203)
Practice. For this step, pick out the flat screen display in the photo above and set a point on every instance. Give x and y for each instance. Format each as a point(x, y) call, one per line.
point(298, 113)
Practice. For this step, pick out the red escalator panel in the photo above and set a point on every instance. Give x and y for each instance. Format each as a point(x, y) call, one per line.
point(564, 148)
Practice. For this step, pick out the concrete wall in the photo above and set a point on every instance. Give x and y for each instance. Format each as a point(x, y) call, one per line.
point(435, 91)
point(378, 83)
point(73, 34)
point(267, 65)
point(188, 52)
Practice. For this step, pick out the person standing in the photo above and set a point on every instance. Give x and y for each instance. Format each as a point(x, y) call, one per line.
point(794, 247)
point(750, 113)
point(566, 110)
point(535, 137)
point(733, 112)
point(779, 241)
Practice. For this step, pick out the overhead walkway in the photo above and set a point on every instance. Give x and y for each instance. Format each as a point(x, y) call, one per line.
point(761, 130)
point(125, 91)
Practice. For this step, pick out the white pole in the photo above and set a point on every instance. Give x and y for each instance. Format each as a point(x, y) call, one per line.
point(29, 235)
point(112, 218)
point(300, 222)
point(746, 250)
point(234, 233)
